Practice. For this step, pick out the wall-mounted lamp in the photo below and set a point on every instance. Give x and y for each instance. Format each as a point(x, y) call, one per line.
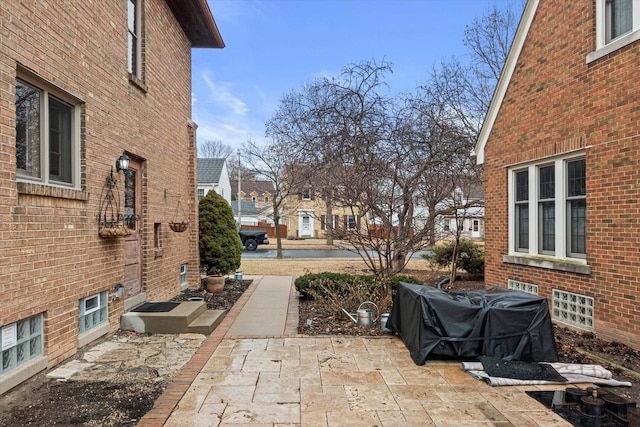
point(122, 163)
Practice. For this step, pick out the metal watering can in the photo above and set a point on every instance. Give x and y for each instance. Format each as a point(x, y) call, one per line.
point(364, 316)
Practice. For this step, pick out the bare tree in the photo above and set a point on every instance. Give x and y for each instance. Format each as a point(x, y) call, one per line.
point(465, 92)
point(380, 157)
point(374, 153)
point(465, 181)
point(214, 149)
point(272, 161)
point(467, 88)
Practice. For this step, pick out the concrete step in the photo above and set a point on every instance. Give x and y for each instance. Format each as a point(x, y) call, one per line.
point(176, 321)
point(207, 322)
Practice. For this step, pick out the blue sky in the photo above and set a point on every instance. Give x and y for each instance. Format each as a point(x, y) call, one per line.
point(275, 46)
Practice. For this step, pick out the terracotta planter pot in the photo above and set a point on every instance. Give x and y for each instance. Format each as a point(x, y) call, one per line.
point(214, 284)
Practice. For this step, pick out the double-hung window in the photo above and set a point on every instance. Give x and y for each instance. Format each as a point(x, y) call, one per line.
point(547, 210)
point(618, 16)
point(522, 210)
point(549, 218)
point(47, 135)
point(617, 25)
point(351, 222)
point(134, 26)
point(576, 209)
point(328, 222)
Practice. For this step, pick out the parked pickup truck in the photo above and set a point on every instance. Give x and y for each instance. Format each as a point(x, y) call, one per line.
point(252, 238)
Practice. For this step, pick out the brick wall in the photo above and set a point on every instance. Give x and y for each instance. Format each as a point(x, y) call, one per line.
point(557, 103)
point(50, 252)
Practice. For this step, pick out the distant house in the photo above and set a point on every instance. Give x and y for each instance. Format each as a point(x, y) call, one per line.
point(305, 215)
point(258, 193)
point(561, 154)
point(86, 86)
point(213, 175)
point(248, 212)
point(462, 211)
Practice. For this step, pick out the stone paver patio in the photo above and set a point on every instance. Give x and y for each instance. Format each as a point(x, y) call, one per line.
point(285, 379)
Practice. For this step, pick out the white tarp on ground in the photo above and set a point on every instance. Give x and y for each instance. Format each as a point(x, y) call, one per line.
point(573, 372)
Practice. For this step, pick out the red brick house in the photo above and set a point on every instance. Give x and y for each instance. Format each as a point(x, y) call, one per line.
point(82, 83)
point(561, 154)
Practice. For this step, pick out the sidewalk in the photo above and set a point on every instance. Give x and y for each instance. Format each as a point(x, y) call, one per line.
point(255, 370)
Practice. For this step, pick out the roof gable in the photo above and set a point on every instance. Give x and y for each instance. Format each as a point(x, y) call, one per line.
point(505, 77)
point(259, 187)
point(210, 170)
point(248, 208)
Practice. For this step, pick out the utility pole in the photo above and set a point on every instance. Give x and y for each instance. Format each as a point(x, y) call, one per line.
point(239, 197)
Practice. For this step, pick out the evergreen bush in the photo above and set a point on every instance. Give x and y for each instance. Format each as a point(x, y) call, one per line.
point(219, 242)
point(471, 258)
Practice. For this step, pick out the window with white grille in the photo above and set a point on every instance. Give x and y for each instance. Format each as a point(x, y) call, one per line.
point(92, 312)
point(183, 274)
point(522, 286)
point(21, 341)
point(573, 309)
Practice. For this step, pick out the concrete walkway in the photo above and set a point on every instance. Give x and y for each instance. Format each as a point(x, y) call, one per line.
point(255, 370)
point(265, 313)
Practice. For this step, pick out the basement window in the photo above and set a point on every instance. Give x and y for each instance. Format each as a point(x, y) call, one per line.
point(21, 342)
point(522, 286)
point(183, 274)
point(92, 311)
point(573, 309)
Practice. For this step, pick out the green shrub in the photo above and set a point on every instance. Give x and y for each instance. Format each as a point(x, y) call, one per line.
point(302, 282)
point(470, 259)
point(219, 242)
point(403, 278)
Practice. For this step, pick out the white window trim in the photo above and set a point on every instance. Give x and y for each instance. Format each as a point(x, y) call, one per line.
point(330, 221)
point(534, 257)
point(46, 89)
point(138, 43)
point(91, 310)
point(183, 274)
point(602, 47)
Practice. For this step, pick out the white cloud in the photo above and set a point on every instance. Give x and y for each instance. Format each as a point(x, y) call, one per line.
point(220, 94)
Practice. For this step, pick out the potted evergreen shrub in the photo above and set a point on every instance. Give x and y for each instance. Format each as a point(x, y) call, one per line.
point(219, 242)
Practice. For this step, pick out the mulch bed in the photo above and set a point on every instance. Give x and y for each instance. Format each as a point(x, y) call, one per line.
point(224, 300)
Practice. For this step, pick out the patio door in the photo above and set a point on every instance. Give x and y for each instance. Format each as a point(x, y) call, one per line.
point(133, 243)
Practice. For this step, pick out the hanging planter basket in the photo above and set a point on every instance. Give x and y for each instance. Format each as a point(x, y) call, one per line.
point(179, 227)
point(111, 223)
point(119, 230)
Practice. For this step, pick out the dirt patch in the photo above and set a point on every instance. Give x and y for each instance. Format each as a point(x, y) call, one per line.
point(42, 402)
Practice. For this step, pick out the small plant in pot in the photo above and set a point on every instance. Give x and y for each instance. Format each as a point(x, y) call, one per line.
point(219, 242)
